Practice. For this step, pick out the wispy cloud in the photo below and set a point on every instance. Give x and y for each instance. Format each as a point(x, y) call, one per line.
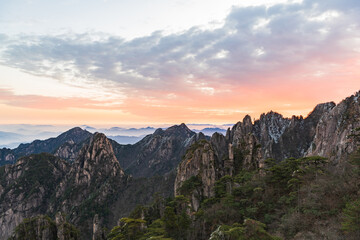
point(260, 48)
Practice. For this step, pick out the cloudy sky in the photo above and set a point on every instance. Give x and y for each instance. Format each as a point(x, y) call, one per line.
point(161, 61)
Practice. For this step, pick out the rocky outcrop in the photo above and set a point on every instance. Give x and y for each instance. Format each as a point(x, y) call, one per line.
point(199, 168)
point(297, 137)
point(95, 184)
point(6, 156)
point(97, 160)
point(45, 184)
point(334, 128)
point(43, 227)
point(98, 233)
point(26, 188)
point(92, 184)
point(40, 227)
point(156, 154)
point(69, 150)
point(273, 136)
point(324, 132)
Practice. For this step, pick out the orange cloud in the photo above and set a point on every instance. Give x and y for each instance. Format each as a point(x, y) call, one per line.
point(44, 102)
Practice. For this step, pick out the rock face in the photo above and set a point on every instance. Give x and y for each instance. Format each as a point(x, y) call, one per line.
point(156, 154)
point(6, 156)
point(91, 185)
point(66, 146)
point(199, 168)
point(39, 227)
point(94, 191)
point(45, 184)
point(332, 133)
point(42, 227)
point(96, 159)
point(94, 184)
point(323, 132)
point(26, 188)
point(273, 136)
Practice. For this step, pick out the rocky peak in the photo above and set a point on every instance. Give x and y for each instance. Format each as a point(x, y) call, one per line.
point(356, 96)
point(334, 127)
point(158, 153)
point(320, 109)
point(181, 129)
point(73, 132)
point(247, 121)
point(66, 146)
point(240, 130)
point(26, 188)
point(197, 169)
point(96, 174)
point(158, 131)
point(98, 148)
point(220, 145)
point(97, 159)
point(195, 138)
point(271, 126)
point(228, 135)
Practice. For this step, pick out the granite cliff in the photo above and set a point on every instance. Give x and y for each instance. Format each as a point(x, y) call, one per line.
point(45, 184)
point(332, 133)
point(27, 188)
point(94, 185)
point(324, 132)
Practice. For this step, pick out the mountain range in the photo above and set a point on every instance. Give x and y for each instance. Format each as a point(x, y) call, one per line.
point(94, 180)
point(11, 136)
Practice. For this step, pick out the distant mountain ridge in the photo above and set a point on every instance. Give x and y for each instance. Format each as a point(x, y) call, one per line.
point(104, 180)
point(155, 154)
point(65, 146)
point(158, 153)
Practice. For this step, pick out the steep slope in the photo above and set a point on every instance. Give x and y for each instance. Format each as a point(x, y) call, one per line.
point(273, 136)
point(92, 184)
point(294, 137)
point(323, 132)
point(197, 173)
point(156, 154)
point(45, 184)
point(66, 146)
point(332, 133)
point(27, 188)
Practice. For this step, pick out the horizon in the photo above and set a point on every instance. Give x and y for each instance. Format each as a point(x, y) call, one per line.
point(166, 125)
point(138, 64)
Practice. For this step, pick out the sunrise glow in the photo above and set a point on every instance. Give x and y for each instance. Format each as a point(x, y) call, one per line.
point(286, 56)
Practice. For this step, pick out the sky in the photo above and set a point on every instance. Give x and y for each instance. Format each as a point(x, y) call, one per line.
point(140, 62)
